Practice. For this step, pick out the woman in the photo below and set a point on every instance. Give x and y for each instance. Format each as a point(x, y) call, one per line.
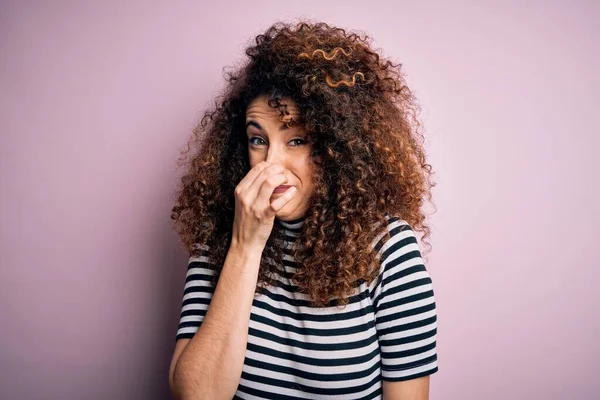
point(299, 208)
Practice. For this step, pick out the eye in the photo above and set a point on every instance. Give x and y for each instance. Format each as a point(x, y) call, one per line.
point(302, 141)
point(255, 137)
point(299, 142)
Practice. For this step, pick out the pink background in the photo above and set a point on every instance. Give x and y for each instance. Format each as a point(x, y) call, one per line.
point(97, 98)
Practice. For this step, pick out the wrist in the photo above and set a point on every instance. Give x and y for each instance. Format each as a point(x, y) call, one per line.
point(245, 251)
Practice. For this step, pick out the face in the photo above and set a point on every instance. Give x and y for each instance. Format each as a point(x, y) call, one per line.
point(269, 140)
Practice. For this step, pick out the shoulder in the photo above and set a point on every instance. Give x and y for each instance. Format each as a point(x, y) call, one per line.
point(396, 233)
point(398, 254)
point(200, 262)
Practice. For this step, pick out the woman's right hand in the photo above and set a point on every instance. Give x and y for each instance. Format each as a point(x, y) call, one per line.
point(254, 212)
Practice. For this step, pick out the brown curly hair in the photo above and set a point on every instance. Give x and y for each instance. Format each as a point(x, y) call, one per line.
point(367, 152)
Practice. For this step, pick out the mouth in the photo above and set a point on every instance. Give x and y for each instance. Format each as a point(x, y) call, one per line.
point(281, 189)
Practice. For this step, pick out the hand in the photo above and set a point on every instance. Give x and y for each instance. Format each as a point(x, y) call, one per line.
point(254, 212)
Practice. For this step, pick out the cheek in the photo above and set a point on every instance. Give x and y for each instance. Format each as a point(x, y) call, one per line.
point(306, 174)
point(253, 158)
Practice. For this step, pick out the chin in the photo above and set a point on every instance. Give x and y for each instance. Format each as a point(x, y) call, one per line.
point(282, 214)
point(285, 212)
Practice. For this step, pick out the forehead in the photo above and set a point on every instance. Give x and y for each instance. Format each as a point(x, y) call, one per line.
point(259, 108)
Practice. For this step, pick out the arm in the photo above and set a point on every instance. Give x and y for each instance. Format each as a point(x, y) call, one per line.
point(414, 389)
point(406, 317)
point(209, 365)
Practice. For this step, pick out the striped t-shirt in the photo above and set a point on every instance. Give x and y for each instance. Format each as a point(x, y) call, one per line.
point(387, 331)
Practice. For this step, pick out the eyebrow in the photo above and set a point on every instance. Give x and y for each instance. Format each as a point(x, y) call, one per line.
point(260, 128)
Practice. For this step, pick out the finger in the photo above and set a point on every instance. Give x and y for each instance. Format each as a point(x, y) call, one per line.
point(252, 191)
point(280, 202)
point(252, 175)
point(267, 188)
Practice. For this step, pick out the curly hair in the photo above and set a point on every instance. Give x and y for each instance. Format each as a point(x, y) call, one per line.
point(367, 152)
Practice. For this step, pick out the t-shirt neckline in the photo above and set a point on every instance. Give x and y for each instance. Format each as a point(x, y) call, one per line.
point(291, 224)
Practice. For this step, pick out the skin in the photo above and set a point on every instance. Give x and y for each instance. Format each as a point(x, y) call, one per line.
point(412, 389)
point(269, 140)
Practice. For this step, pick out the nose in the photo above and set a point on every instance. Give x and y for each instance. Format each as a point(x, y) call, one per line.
point(276, 154)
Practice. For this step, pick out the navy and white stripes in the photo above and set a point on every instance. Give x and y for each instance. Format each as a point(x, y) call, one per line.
point(386, 332)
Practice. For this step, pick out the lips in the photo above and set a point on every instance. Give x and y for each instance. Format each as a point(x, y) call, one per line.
point(281, 189)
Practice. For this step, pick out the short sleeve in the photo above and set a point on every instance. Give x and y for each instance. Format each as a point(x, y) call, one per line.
point(197, 294)
point(404, 307)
